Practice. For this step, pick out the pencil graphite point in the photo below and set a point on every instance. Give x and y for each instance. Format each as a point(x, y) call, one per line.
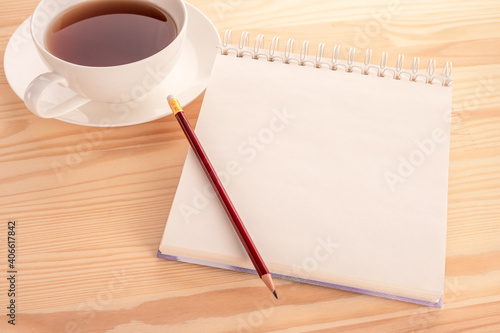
point(268, 281)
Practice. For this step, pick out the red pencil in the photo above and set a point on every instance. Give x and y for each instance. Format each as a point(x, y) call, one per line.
point(245, 239)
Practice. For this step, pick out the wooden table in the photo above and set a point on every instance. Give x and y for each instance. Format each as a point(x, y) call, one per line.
point(87, 235)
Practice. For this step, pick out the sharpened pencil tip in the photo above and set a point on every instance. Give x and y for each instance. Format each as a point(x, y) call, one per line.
point(275, 295)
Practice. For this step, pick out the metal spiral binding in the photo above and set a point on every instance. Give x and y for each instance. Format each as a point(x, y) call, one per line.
point(288, 52)
point(259, 43)
point(258, 51)
point(335, 58)
point(319, 54)
point(275, 45)
point(351, 65)
point(227, 41)
point(366, 62)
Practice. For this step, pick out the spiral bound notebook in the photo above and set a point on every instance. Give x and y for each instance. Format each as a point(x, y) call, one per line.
point(338, 168)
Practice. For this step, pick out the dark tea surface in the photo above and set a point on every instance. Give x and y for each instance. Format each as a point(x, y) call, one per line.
point(110, 33)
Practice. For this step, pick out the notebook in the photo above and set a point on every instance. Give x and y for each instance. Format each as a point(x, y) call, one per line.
point(338, 169)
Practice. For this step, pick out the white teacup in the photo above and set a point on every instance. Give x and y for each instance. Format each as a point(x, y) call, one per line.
point(82, 84)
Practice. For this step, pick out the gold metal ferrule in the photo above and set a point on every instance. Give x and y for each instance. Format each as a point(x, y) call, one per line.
point(175, 106)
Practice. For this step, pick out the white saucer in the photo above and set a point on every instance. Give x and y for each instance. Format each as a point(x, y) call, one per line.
point(186, 81)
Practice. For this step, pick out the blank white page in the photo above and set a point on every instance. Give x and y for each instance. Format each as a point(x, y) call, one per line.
point(340, 178)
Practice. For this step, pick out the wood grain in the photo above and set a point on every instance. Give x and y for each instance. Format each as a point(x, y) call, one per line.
point(89, 224)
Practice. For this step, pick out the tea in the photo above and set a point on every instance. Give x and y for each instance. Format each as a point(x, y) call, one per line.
point(110, 33)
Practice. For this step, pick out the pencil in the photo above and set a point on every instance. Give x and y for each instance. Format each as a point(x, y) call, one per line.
point(235, 219)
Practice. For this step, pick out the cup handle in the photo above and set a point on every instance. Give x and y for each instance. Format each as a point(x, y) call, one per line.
point(37, 92)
